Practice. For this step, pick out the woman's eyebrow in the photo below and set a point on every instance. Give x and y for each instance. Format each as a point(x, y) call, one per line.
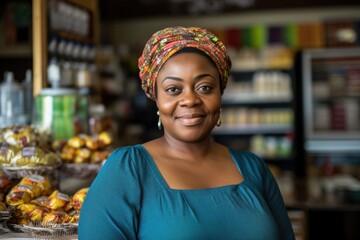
point(204, 75)
point(200, 76)
point(172, 78)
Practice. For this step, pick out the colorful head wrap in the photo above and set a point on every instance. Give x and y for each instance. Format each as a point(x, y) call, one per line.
point(165, 43)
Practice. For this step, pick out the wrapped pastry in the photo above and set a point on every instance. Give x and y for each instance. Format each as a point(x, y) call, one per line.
point(98, 156)
point(24, 209)
point(68, 207)
point(21, 194)
point(83, 153)
point(7, 152)
point(28, 156)
point(19, 136)
point(31, 156)
point(17, 198)
point(57, 200)
point(91, 143)
point(68, 154)
point(37, 214)
point(82, 156)
point(78, 198)
point(40, 201)
point(54, 217)
point(104, 139)
point(31, 211)
point(39, 181)
point(76, 142)
point(70, 219)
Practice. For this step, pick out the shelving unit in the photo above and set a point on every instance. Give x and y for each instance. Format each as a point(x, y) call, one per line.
point(331, 100)
point(43, 31)
point(65, 38)
point(258, 114)
point(254, 129)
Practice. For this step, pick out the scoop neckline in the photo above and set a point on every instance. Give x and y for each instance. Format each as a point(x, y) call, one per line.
point(161, 180)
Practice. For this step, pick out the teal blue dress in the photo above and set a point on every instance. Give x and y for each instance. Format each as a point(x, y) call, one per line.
point(129, 199)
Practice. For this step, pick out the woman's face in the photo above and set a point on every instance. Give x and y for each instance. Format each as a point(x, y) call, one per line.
point(188, 97)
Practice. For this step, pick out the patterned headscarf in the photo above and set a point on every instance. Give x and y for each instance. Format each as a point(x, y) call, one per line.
point(165, 43)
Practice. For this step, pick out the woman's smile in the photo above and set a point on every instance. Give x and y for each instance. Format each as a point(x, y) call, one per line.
point(191, 119)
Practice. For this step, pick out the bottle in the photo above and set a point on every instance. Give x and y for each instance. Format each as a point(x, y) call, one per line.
point(28, 94)
point(53, 73)
point(12, 101)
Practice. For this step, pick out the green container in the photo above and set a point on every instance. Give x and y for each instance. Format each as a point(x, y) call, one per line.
point(56, 112)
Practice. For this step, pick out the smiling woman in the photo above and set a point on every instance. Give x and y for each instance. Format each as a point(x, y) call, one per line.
point(184, 185)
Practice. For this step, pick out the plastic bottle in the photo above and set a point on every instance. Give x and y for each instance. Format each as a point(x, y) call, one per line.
point(12, 100)
point(53, 73)
point(28, 94)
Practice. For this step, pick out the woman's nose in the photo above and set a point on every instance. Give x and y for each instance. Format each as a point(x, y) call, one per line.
point(189, 98)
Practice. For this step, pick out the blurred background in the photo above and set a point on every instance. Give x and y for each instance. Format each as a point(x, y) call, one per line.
point(70, 66)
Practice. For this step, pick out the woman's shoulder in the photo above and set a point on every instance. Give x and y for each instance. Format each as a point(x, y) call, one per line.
point(246, 156)
point(127, 149)
point(248, 160)
point(131, 154)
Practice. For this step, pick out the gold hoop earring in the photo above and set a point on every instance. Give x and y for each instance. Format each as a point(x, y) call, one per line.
point(159, 120)
point(218, 123)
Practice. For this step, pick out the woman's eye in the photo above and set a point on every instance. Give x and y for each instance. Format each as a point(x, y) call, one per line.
point(173, 90)
point(205, 89)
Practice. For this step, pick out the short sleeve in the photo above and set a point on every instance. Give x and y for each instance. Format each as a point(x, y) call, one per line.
point(258, 172)
point(111, 207)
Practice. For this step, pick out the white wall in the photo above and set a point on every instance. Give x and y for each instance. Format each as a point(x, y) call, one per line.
point(137, 31)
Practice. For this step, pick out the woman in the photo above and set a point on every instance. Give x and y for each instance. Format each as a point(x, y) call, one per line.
point(184, 185)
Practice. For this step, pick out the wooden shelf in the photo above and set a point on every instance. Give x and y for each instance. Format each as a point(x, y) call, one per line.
point(17, 51)
point(253, 129)
point(234, 98)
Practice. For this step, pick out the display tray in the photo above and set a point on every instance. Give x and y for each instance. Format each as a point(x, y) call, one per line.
point(15, 228)
point(20, 172)
point(4, 215)
point(3, 225)
point(51, 231)
point(80, 170)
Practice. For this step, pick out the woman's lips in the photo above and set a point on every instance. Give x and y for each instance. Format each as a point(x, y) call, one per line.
point(191, 119)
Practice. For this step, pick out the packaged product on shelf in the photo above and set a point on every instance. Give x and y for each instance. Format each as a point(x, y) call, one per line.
point(34, 204)
point(7, 152)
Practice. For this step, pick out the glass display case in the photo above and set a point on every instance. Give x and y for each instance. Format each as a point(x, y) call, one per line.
point(331, 100)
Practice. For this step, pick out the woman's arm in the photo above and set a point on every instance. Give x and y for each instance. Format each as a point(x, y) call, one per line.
point(111, 207)
point(276, 204)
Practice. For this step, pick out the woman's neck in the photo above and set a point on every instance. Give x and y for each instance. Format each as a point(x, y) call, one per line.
point(196, 149)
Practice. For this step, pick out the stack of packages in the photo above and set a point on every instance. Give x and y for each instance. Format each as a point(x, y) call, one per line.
point(30, 164)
